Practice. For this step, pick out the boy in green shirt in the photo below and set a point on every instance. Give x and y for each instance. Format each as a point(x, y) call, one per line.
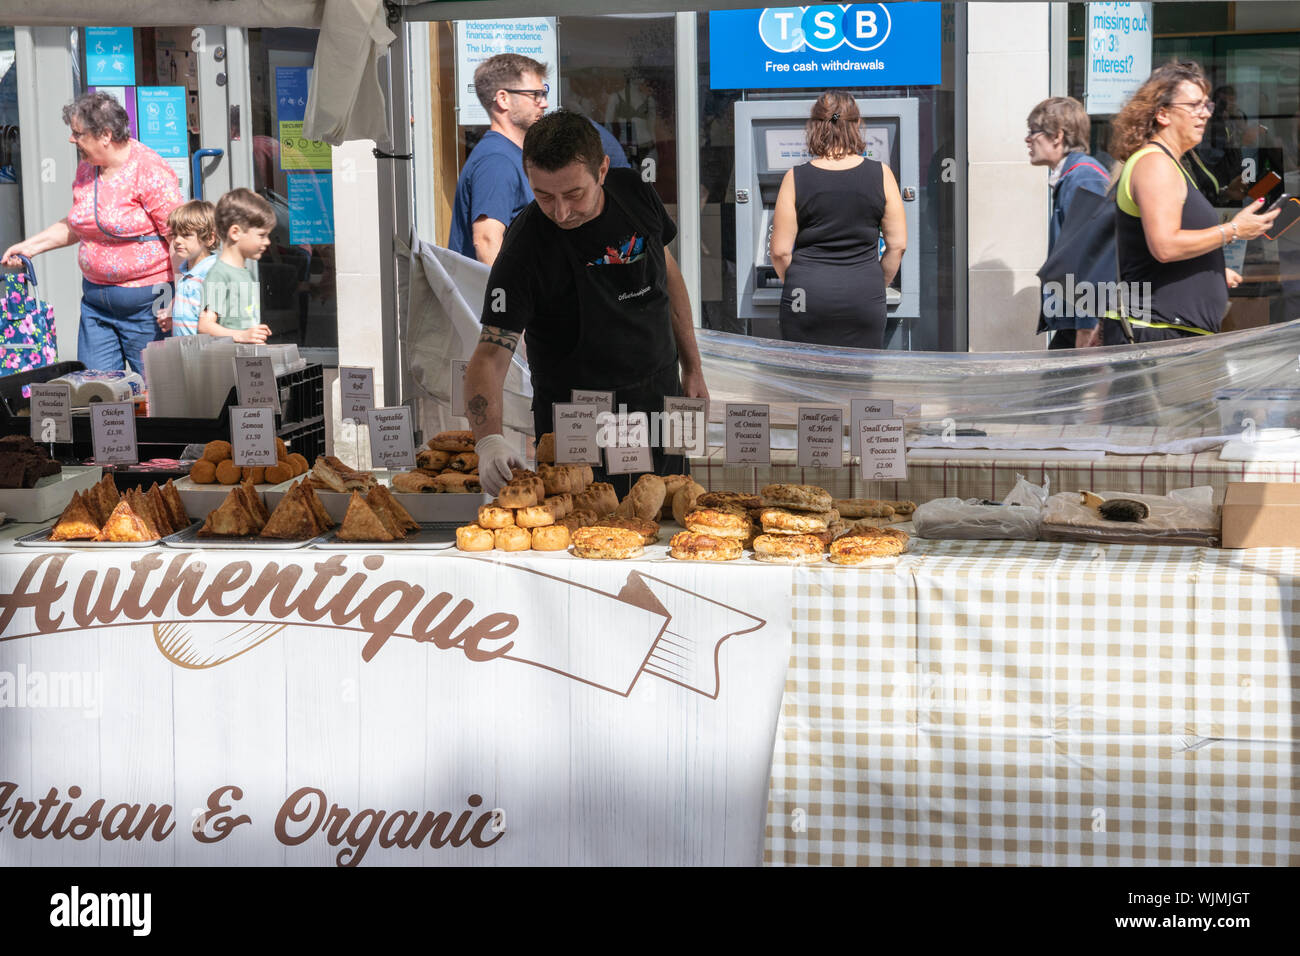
point(232, 299)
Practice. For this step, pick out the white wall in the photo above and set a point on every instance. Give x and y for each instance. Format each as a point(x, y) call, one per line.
point(1008, 201)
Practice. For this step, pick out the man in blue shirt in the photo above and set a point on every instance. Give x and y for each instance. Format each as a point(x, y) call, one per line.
point(492, 188)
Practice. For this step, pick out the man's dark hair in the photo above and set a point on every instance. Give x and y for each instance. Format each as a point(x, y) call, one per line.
point(561, 138)
point(503, 71)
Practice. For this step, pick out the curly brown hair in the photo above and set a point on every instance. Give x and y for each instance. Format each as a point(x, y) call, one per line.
point(833, 130)
point(1136, 123)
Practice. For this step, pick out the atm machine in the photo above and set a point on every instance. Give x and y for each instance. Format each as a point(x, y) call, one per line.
point(769, 141)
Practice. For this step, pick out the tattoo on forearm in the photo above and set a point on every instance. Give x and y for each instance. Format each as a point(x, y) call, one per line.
point(502, 338)
point(476, 410)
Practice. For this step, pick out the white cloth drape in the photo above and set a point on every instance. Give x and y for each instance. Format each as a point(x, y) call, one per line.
point(346, 100)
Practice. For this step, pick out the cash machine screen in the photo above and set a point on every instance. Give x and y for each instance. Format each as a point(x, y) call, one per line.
point(786, 148)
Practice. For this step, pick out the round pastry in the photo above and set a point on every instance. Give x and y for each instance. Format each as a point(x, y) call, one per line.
point(255, 476)
point(556, 480)
point(493, 516)
point(609, 544)
point(453, 441)
point(517, 494)
point(278, 473)
point(217, 451)
point(546, 449)
point(647, 496)
point(203, 472)
point(797, 497)
point(535, 516)
point(689, 546)
point(299, 463)
point(649, 530)
point(466, 461)
point(513, 538)
point(854, 548)
point(780, 521)
point(471, 537)
point(453, 482)
point(788, 548)
point(723, 499)
point(554, 537)
point(864, 508)
point(562, 504)
point(228, 472)
point(722, 524)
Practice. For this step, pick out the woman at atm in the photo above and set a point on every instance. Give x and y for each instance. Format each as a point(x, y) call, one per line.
point(830, 216)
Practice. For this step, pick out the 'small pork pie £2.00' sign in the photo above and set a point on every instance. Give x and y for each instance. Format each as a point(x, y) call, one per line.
point(825, 45)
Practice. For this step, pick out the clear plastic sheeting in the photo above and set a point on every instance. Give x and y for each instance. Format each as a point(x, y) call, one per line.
point(1207, 385)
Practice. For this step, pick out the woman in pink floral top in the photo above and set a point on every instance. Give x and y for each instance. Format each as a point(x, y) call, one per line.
point(121, 198)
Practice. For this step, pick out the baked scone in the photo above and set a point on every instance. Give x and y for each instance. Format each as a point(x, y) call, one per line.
point(797, 497)
point(413, 482)
point(546, 449)
point(649, 530)
point(610, 544)
point(493, 516)
point(865, 508)
point(788, 549)
point(513, 538)
point(553, 537)
point(781, 521)
point(725, 499)
point(535, 516)
point(722, 524)
point(471, 537)
point(452, 441)
point(690, 546)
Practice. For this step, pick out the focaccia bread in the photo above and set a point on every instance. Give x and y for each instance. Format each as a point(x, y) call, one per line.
point(797, 497)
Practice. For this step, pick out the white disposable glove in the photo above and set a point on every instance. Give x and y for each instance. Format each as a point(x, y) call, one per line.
point(495, 462)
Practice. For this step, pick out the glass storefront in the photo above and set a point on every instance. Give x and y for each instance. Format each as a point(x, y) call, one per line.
point(11, 160)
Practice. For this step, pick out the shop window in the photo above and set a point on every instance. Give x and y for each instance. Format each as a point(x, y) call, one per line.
point(11, 197)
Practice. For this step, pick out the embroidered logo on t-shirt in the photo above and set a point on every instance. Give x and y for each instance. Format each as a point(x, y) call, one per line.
point(628, 251)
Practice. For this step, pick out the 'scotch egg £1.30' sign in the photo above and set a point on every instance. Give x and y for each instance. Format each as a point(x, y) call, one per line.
point(825, 46)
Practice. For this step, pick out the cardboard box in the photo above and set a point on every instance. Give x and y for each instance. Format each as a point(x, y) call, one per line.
point(1259, 514)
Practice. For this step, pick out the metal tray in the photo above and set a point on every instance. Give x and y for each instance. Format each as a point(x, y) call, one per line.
point(40, 539)
point(188, 540)
point(436, 536)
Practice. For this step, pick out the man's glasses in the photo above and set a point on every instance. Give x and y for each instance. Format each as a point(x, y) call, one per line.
point(535, 94)
point(1204, 106)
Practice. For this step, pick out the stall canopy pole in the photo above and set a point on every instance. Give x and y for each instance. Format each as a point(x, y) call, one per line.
point(393, 182)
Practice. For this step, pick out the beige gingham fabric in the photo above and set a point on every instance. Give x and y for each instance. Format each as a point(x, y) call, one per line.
point(1033, 703)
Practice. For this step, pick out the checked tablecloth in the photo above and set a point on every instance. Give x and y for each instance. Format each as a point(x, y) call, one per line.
point(1036, 703)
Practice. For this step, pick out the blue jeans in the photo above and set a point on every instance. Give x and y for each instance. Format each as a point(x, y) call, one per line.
point(117, 322)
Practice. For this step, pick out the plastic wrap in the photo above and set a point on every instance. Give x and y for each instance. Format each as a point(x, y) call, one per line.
point(1186, 516)
point(1015, 518)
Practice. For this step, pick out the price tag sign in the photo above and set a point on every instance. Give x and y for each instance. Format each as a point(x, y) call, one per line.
point(604, 401)
point(356, 392)
point(255, 383)
point(628, 461)
point(884, 453)
point(748, 441)
point(252, 437)
point(576, 429)
point(112, 432)
point(51, 413)
point(458, 368)
point(864, 408)
point(684, 430)
point(392, 441)
point(821, 437)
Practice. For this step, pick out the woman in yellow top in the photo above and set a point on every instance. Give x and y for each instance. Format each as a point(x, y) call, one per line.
point(1169, 239)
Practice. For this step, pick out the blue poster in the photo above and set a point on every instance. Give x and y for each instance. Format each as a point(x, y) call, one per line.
point(160, 116)
point(826, 46)
point(311, 207)
point(290, 93)
point(110, 56)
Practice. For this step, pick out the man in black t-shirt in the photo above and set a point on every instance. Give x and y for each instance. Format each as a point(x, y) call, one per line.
point(585, 276)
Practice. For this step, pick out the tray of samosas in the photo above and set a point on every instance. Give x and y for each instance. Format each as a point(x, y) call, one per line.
point(378, 522)
point(243, 522)
point(102, 518)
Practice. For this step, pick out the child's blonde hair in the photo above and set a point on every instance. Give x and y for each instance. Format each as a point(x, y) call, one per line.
point(195, 218)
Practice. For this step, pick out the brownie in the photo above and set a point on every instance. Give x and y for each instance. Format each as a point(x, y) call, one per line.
point(13, 470)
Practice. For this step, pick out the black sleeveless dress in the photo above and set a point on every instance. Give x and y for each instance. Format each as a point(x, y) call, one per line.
point(834, 292)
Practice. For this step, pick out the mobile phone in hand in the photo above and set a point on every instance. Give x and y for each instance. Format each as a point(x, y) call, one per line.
point(1287, 217)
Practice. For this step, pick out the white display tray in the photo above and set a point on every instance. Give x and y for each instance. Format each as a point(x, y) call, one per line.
point(430, 537)
point(40, 539)
point(188, 540)
point(426, 509)
point(51, 494)
point(200, 500)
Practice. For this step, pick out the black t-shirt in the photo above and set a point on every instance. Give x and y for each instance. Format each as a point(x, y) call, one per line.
point(532, 289)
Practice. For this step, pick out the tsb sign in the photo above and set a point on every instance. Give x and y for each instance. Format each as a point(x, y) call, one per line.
point(825, 27)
